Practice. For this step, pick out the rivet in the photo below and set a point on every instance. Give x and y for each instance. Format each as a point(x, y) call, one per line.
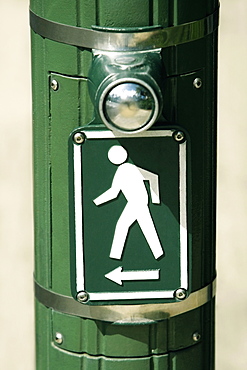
point(79, 138)
point(180, 294)
point(54, 85)
point(197, 83)
point(179, 136)
point(196, 337)
point(82, 297)
point(58, 338)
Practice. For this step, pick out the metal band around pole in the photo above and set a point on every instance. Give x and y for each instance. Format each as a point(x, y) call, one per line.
point(108, 40)
point(124, 314)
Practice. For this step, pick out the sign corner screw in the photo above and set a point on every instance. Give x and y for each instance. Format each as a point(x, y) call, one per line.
point(82, 297)
point(79, 138)
point(180, 294)
point(179, 136)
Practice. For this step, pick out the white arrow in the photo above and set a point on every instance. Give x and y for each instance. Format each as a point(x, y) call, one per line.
point(118, 275)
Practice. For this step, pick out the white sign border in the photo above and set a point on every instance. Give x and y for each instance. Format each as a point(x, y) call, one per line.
point(78, 205)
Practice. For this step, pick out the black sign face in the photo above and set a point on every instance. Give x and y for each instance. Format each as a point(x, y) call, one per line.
point(129, 229)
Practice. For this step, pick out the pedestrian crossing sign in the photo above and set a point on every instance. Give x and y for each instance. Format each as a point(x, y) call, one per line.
point(129, 224)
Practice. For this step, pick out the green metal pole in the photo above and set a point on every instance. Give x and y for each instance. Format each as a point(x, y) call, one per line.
point(81, 52)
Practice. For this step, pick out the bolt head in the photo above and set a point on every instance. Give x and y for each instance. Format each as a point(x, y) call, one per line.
point(179, 136)
point(180, 294)
point(58, 338)
point(54, 85)
point(197, 83)
point(196, 337)
point(79, 138)
point(82, 297)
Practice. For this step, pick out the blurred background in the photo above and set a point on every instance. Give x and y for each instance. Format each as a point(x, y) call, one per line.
point(16, 226)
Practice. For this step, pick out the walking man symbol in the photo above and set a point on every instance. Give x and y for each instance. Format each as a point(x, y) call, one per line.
point(130, 180)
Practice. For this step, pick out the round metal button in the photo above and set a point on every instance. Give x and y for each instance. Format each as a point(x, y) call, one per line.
point(129, 106)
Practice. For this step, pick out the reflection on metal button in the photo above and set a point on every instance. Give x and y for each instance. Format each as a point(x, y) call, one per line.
point(126, 60)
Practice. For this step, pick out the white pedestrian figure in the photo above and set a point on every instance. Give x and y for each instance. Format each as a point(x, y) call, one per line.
point(130, 180)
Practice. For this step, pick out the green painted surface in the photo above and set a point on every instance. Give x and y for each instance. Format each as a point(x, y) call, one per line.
point(97, 345)
point(103, 363)
point(41, 154)
point(107, 339)
point(64, 120)
point(43, 336)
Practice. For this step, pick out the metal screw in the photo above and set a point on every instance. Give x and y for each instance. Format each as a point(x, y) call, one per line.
point(179, 136)
point(82, 297)
point(196, 337)
point(197, 83)
point(79, 138)
point(58, 338)
point(54, 85)
point(180, 294)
